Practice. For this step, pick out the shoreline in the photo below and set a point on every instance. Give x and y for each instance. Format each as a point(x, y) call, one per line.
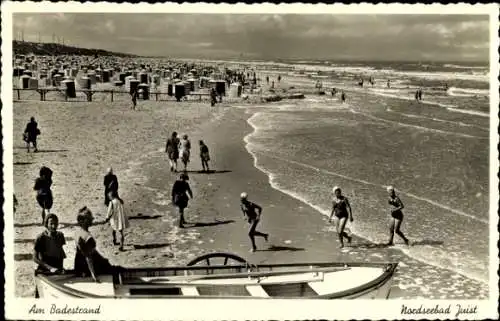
point(298, 233)
point(322, 212)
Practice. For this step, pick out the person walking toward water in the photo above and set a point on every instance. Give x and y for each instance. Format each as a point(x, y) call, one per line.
point(43, 192)
point(252, 212)
point(185, 150)
point(110, 184)
point(205, 156)
point(213, 97)
point(135, 94)
point(396, 216)
point(181, 192)
point(388, 83)
point(117, 218)
point(342, 211)
point(172, 150)
point(88, 261)
point(31, 133)
point(342, 96)
point(48, 251)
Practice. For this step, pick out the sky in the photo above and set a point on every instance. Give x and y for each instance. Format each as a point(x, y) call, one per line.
point(267, 36)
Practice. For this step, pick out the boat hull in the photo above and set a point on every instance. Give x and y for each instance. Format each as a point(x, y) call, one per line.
point(278, 281)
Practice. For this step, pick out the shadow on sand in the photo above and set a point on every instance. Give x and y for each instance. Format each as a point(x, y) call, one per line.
point(207, 172)
point(27, 224)
point(384, 245)
point(24, 241)
point(52, 150)
point(23, 163)
point(141, 216)
point(278, 248)
point(203, 224)
point(150, 246)
point(23, 256)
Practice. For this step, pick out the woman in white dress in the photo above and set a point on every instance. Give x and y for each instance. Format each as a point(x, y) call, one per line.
point(117, 218)
point(185, 150)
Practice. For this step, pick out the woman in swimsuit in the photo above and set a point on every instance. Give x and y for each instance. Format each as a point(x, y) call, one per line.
point(396, 216)
point(342, 210)
point(88, 262)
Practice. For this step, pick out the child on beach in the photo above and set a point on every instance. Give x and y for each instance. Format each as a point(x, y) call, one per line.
point(88, 262)
point(43, 191)
point(180, 199)
point(48, 252)
point(205, 156)
point(185, 150)
point(252, 212)
point(342, 210)
point(31, 133)
point(172, 150)
point(110, 184)
point(117, 218)
point(396, 216)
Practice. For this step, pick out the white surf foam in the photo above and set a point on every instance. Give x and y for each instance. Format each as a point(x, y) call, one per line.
point(417, 127)
point(467, 92)
point(324, 211)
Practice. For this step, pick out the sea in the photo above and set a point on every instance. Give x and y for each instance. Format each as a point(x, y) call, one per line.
point(435, 152)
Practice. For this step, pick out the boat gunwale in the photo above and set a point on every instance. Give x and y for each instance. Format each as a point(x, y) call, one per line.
point(375, 283)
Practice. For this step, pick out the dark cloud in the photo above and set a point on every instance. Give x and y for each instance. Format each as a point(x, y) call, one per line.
point(388, 37)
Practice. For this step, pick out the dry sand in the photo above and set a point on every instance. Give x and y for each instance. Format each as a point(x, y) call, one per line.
point(78, 142)
point(88, 137)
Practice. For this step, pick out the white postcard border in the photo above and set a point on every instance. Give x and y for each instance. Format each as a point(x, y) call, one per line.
point(185, 309)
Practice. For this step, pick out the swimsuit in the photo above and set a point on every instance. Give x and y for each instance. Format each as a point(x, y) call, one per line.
point(396, 202)
point(340, 208)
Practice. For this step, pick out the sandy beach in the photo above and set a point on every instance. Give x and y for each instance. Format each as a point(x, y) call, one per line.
point(85, 138)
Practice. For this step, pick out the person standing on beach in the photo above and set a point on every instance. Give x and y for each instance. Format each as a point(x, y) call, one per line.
point(88, 261)
point(252, 212)
point(110, 184)
point(396, 216)
point(172, 150)
point(205, 156)
point(31, 133)
point(213, 97)
point(43, 192)
point(342, 97)
point(181, 192)
point(135, 94)
point(117, 218)
point(342, 211)
point(185, 150)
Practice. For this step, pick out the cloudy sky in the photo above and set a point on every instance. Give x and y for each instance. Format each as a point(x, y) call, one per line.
point(260, 36)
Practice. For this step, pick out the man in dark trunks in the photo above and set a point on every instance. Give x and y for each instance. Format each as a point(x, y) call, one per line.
point(252, 212)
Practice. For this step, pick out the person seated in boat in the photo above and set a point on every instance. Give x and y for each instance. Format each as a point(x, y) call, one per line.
point(48, 251)
point(252, 212)
point(88, 261)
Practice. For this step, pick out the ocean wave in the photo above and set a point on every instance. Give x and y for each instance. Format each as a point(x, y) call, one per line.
point(467, 92)
point(464, 67)
point(434, 256)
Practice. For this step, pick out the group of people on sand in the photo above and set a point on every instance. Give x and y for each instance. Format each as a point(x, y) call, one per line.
point(181, 148)
point(341, 210)
point(49, 253)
